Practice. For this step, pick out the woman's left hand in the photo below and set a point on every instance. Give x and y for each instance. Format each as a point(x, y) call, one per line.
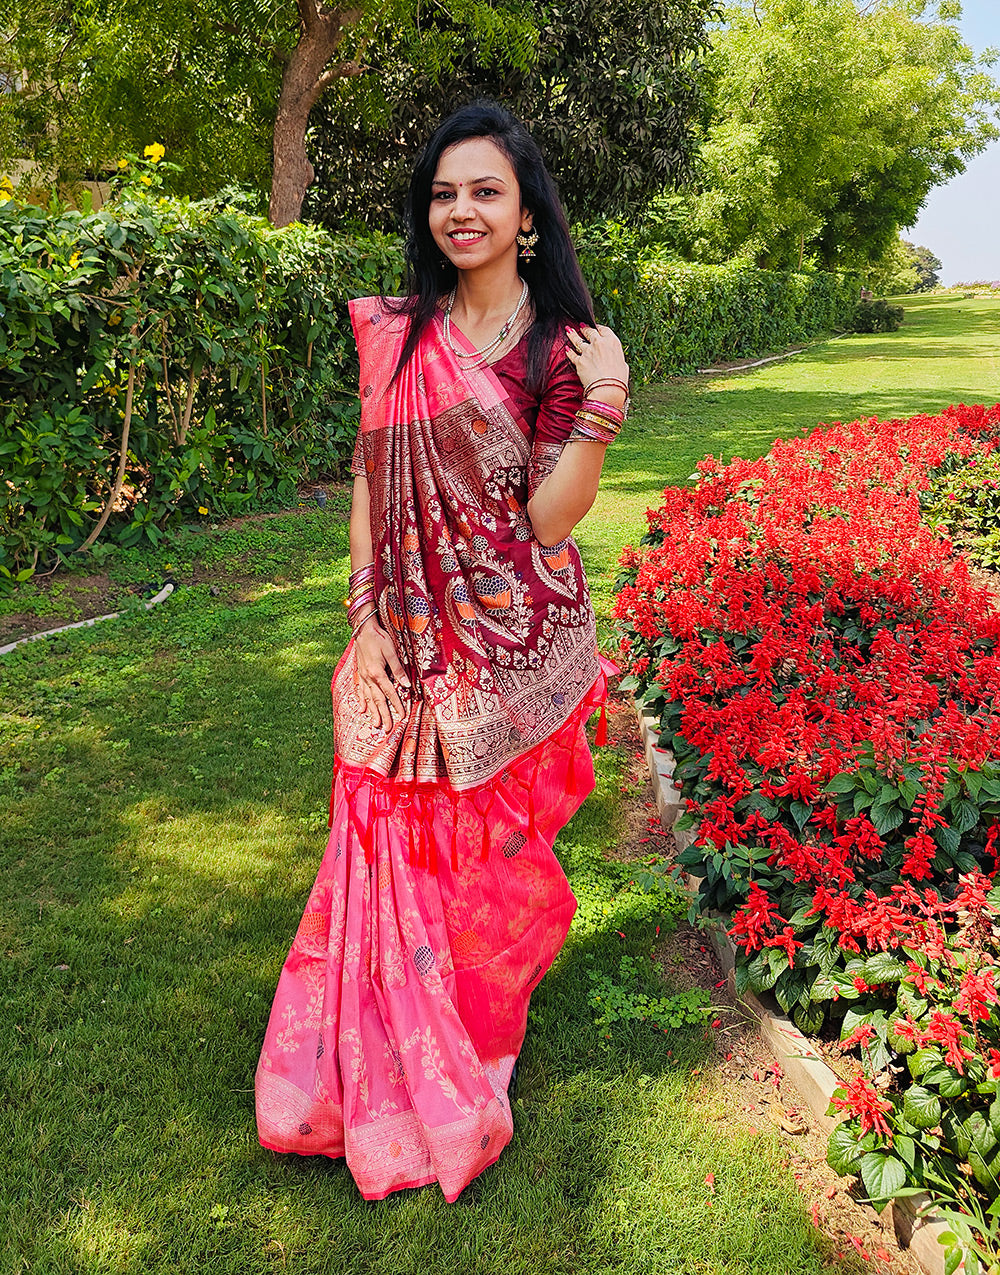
point(597, 353)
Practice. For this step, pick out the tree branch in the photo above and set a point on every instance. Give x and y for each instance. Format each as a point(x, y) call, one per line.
point(116, 487)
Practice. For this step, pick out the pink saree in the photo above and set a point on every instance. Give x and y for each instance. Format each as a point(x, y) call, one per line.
point(439, 903)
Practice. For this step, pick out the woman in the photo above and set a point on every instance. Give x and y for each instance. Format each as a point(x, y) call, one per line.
point(460, 703)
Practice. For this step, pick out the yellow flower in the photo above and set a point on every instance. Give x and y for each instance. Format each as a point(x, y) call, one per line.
point(74, 261)
point(115, 319)
point(123, 163)
point(146, 180)
point(154, 153)
point(202, 509)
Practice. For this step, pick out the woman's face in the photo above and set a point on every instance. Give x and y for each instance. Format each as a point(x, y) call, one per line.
point(475, 209)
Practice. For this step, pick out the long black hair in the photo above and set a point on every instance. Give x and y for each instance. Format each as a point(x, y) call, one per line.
point(558, 292)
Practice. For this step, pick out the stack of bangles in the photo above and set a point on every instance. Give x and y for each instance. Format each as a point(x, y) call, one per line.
point(597, 421)
point(360, 602)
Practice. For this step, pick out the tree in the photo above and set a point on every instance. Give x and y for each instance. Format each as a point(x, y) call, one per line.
point(612, 91)
point(927, 266)
point(227, 85)
point(830, 125)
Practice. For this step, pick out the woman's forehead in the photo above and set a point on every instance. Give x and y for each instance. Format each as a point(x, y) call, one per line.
point(473, 159)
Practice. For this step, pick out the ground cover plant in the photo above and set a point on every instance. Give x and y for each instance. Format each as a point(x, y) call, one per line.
point(827, 677)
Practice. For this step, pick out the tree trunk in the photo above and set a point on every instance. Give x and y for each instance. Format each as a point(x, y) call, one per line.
point(305, 77)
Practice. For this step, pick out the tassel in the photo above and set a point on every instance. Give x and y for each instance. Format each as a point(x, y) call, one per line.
point(601, 736)
point(333, 793)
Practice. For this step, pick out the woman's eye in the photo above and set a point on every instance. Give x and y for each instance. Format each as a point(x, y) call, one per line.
point(442, 194)
point(486, 190)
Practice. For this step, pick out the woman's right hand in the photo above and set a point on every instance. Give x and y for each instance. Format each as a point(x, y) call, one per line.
point(379, 675)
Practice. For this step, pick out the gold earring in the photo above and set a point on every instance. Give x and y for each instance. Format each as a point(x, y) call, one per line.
point(527, 240)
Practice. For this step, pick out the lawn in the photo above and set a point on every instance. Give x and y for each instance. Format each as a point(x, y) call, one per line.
point(163, 782)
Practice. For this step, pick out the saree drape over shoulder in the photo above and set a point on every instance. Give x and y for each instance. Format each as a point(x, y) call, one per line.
point(439, 903)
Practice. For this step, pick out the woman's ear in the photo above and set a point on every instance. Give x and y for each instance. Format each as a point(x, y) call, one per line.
point(526, 219)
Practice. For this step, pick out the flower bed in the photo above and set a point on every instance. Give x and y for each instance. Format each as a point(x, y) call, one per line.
point(828, 679)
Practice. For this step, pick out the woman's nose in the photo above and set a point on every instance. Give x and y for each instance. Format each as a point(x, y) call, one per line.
point(462, 209)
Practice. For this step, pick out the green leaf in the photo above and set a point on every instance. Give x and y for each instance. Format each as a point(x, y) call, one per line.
point(921, 1107)
point(883, 1175)
point(965, 816)
point(883, 968)
point(844, 1151)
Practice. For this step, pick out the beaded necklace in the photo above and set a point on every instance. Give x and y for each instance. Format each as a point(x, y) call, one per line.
point(482, 355)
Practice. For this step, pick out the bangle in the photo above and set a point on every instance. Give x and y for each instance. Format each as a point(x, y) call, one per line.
point(611, 381)
point(614, 383)
point(357, 605)
point(593, 431)
point(356, 624)
point(601, 422)
point(604, 409)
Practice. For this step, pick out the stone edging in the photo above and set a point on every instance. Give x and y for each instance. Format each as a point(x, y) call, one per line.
point(164, 593)
point(802, 1064)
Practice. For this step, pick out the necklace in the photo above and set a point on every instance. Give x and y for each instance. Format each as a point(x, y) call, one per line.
point(483, 354)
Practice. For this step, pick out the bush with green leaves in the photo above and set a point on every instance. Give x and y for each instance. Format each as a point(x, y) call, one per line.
point(164, 359)
point(964, 500)
point(876, 316)
point(675, 317)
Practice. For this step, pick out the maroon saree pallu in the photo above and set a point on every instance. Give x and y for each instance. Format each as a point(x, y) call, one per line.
point(439, 903)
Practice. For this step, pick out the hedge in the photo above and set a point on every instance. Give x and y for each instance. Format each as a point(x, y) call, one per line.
point(217, 346)
point(219, 349)
point(675, 317)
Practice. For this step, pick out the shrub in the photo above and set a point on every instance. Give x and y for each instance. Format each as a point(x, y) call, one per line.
point(165, 359)
point(876, 316)
point(965, 502)
point(827, 677)
point(675, 317)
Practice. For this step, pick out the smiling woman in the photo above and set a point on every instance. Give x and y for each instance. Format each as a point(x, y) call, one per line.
point(489, 397)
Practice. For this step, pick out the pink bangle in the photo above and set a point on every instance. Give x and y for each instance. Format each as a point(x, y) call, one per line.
point(604, 409)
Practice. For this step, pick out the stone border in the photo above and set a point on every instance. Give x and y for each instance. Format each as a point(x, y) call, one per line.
point(164, 593)
point(802, 1064)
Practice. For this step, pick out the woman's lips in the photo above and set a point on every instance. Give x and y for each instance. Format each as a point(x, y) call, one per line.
point(466, 236)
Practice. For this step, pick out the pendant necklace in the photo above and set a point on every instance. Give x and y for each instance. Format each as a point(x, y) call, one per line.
point(483, 354)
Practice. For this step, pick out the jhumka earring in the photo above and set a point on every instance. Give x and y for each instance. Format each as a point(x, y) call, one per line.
point(527, 240)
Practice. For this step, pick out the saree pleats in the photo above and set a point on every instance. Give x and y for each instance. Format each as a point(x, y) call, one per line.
point(403, 1003)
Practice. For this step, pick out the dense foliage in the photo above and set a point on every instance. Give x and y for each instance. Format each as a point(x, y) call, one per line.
point(676, 317)
point(612, 92)
point(965, 502)
point(828, 679)
point(830, 123)
point(166, 359)
point(876, 316)
point(162, 360)
point(96, 78)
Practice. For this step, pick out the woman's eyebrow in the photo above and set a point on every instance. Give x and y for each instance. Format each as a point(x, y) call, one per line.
point(477, 181)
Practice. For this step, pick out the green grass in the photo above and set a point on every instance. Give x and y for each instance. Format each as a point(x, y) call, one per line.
point(163, 785)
